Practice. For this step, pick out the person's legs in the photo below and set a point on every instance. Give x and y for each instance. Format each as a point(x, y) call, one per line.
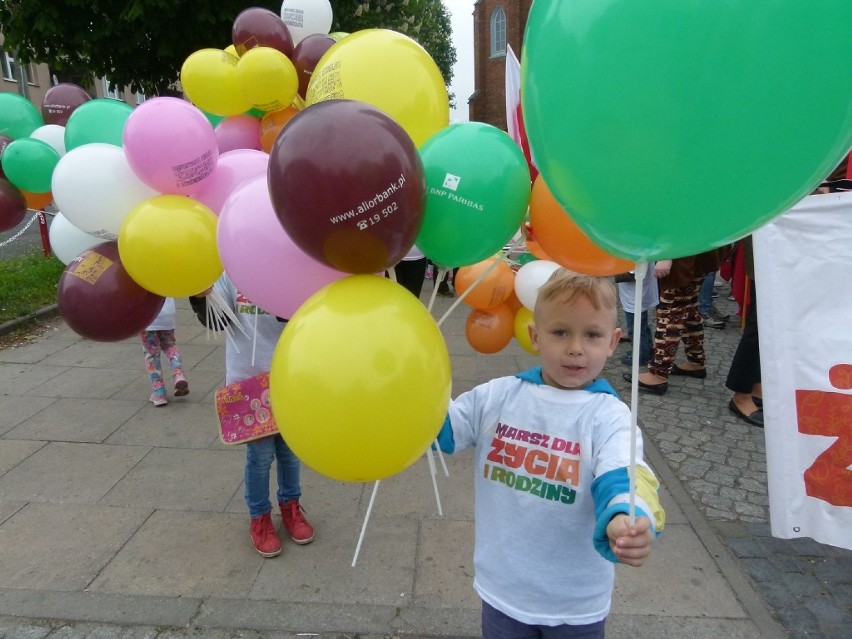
point(496, 625)
point(586, 631)
point(705, 296)
point(744, 375)
point(259, 456)
point(169, 347)
point(670, 316)
point(411, 273)
point(289, 492)
point(151, 349)
point(693, 327)
point(645, 339)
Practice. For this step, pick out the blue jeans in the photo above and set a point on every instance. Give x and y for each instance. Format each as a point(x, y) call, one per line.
point(645, 340)
point(705, 294)
point(496, 625)
point(259, 456)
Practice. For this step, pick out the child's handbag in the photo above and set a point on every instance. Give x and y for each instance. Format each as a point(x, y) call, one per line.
point(244, 410)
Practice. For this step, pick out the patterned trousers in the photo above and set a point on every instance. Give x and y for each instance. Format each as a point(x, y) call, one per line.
point(153, 343)
point(678, 320)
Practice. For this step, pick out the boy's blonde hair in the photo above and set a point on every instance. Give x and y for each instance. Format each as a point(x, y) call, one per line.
point(565, 286)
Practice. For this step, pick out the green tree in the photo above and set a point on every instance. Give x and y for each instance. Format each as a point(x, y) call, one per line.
point(142, 44)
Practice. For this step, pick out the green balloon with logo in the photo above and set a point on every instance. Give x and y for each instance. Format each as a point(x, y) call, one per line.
point(477, 193)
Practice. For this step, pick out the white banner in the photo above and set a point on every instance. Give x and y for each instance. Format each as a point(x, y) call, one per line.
point(803, 274)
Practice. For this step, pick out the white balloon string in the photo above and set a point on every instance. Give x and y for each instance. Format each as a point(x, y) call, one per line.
point(364, 525)
point(441, 459)
point(434, 475)
point(254, 337)
point(392, 274)
point(641, 268)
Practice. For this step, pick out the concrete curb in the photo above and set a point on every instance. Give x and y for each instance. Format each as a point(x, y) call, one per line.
point(46, 312)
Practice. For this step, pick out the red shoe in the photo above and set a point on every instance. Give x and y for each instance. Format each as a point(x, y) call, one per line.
point(264, 537)
point(293, 516)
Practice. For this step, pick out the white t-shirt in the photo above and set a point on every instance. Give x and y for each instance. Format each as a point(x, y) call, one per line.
point(165, 321)
point(650, 292)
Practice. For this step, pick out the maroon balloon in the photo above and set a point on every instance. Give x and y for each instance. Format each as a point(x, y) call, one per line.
point(100, 301)
point(256, 27)
point(5, 140)
point(306, 55)
point(60, 101)
point(13, 206)
point(348, 186)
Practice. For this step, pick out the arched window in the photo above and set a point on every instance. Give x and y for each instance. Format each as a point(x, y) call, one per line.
point(498, 32)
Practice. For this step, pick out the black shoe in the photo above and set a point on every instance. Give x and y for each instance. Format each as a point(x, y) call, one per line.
point(627, 360)
point(700, 373)
point(758, 401)
point(657, 389)
point(755, 419)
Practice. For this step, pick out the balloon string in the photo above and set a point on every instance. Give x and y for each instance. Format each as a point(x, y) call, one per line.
point(639, 272)
point(364, 525)
point(481, 277)
point(441, 459)
point(392, 274)
point(254, 338)
point(434, 475)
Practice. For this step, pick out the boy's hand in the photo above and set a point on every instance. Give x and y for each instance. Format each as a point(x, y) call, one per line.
point(631, 545)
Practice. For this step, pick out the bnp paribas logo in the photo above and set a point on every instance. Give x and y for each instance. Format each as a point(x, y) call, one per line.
point(451, 181)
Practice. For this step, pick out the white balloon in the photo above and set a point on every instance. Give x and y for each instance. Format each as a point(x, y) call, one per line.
point(529, 279)
point(67, 241)
point(53, 135)
point(306, 17)
point(95, 188)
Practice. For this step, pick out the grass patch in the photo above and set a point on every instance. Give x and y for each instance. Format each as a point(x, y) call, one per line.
point(27, 284)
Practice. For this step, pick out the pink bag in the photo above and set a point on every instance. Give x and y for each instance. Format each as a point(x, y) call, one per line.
point(244, 410)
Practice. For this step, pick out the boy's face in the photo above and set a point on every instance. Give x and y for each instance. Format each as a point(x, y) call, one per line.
point(574, 340)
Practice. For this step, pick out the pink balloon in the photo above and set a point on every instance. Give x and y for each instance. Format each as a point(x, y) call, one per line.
point(238, 132)
point(233, 168)
point(261, 259)
point(170, 145)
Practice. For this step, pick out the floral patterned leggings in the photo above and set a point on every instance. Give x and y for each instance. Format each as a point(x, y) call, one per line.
point(153, 343)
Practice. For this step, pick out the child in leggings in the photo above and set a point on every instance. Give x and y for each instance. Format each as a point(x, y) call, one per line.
point(158, 338)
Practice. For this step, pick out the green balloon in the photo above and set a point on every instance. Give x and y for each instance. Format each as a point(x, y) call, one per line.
point(526, 258)
point(29, 164)
point(668, 127)
point(212, 117)
point(98, 120)
point(18, 116)
point(477, 192)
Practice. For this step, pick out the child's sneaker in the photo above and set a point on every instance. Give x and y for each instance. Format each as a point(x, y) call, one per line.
point(181, 385)
point(264, 537)
point(293, 516)
point(158, 398)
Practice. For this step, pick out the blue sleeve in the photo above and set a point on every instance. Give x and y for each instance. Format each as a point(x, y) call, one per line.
point(445, 437)
point(614, 485)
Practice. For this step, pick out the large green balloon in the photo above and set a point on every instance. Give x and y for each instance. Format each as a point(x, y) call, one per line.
point(99, 120)
point(18, 116)
point(28, 164)
point(477, 192)
point(674, 126)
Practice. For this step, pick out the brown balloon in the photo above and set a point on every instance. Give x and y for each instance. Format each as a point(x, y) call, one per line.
point(257, 27)
point(348, 186)
point(4, 142)
point(306, 55)
point(100, 301)
point(13, 206)
point(60, 101)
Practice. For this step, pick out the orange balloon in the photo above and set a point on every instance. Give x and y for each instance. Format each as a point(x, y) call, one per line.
point(37, 201)
point(490, 330)
point(514, 303)
point(531, 242)
point(494, 289)
point(563, 240)
point(271, 125)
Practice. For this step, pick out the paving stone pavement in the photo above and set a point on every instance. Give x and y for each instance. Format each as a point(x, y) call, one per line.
point(716, 461)
point(721, 461)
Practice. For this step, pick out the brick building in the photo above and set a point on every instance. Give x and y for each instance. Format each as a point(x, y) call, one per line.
point(496, 23)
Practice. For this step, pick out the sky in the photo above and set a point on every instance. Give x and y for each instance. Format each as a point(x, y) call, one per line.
point(461, 13)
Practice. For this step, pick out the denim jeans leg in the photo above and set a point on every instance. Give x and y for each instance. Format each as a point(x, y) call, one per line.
point(259, 456)
point(288, 471)
point(628, 321)
point(645, 339)
point(705, 295)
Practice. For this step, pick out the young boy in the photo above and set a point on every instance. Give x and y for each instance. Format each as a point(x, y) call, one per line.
point(552, 450)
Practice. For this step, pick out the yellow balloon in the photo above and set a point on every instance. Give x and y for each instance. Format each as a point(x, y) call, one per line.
point(268, 78)
point(523, 320)
point(390, 71)
point(167, 244)
point(232, 50)
point(209, 79)
point(360, 380)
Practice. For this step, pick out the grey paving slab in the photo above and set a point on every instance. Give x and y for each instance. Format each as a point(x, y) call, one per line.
point(177, 425)
point(184, 554)
point(14, 410)
point(69, 472)
point(13, 452)
point(9, 508)
point(91, 354)
point(202, 385)
point(321, 571)
point(445, 565)
point(38, 351)
point(90, 383)
point(76, 420)
point(180, 479)
point(19, 379)
point(63, 546)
